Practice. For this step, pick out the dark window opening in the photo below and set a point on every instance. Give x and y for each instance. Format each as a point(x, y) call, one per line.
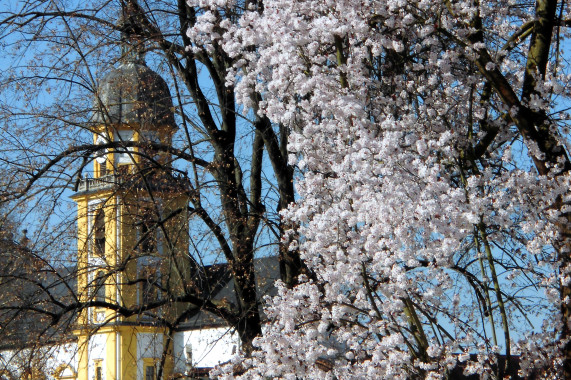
point(150, 372)
point(98, 373)
point(99, 232)
point(100, 286)
point(103, 168)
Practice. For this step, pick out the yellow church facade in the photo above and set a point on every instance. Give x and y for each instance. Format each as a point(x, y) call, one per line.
point(133, 239)
point(123, 259)
point(132, 231)
point(132, 254)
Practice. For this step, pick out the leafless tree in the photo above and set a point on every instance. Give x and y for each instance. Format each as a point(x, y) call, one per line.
point(231, 167)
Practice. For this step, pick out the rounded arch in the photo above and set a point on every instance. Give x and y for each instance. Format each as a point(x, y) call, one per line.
point(64, 372)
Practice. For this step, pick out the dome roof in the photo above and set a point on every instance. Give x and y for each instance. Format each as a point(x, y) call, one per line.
point(134, 94)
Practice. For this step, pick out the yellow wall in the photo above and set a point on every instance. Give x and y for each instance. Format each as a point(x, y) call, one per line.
point(121, 340)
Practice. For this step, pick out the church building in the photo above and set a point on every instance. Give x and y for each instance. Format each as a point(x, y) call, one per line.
point(133, 249)
point(132, 232)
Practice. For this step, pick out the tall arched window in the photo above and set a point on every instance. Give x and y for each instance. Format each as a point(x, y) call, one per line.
point(99, 232)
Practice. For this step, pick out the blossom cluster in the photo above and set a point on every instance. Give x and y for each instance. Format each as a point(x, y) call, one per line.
point(430, 235)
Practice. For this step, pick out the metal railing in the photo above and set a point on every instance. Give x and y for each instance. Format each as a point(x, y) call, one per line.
point(114, 180)
point(101, 183)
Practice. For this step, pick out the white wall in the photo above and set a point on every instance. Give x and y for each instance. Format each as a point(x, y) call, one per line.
point(97, 351)
point(209, 347)
point(64, 355)
point(150, 346)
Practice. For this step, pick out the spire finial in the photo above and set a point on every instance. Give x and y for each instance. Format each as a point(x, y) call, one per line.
point(132, 43)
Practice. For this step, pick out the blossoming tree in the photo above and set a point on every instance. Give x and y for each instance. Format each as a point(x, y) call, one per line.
point(432, 141)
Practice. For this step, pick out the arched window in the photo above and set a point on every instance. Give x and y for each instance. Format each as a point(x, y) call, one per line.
point(64, 372)
point(99, 232)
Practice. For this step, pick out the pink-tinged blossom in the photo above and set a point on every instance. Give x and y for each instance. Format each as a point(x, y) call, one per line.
point(385, 107)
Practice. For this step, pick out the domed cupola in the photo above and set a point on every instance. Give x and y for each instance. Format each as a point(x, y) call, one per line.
point(134, 95)
point(132, 107)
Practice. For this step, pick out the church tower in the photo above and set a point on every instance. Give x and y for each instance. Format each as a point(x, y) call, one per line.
point(132, 230)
